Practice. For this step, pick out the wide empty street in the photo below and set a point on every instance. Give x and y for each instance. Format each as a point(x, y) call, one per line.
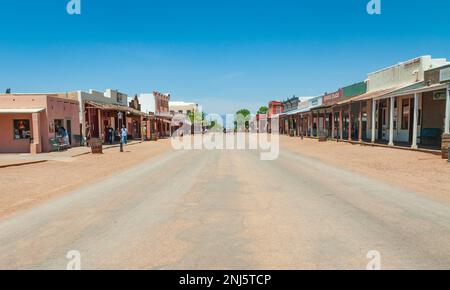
point(229, 210)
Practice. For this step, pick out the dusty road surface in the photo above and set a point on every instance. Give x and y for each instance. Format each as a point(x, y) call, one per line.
point(229, 210)
point(26, 186)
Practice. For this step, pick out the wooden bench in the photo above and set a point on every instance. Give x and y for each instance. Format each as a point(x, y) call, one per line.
point(56, 144)
point(430, 136)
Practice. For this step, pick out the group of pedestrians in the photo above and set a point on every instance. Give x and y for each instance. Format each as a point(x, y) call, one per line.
point(121, 134)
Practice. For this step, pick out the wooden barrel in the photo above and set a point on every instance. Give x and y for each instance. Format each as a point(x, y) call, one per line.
point(96, 146)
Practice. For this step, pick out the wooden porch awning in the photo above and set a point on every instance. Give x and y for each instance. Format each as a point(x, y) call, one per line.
point(369, 95)
point(166, 118)
point(116, 107)
point(163, 120)
point(417, 88)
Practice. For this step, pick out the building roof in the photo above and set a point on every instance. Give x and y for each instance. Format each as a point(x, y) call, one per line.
point(304, 110)
point(182, 104)
point(21, 111)
point(370, 95)
point(303, 99)
point(106, 106)
point(409, 88)
point(401, 63)
point(394, 92)
point(275, 103)
point(417, 88)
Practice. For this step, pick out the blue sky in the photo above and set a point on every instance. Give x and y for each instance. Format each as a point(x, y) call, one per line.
point(224, 54)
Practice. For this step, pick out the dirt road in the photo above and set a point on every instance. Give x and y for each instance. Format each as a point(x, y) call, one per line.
point(229, 210)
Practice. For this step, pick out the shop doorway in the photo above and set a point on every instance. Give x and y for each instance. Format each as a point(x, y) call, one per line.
point(69, 130)
point(382, 120)
point(355, 126)
point(364, 125)
point(58, 125)
point(337, 132)
point(345, 123)
point(329, 127)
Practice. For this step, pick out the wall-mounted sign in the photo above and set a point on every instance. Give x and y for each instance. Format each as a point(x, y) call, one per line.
point(412, 62)
point(333, 97)
point(303, 105)
point(120, 98)
point(440, 95)
point(445, 75)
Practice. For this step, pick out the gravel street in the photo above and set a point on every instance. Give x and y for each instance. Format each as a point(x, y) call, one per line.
point(229, 210)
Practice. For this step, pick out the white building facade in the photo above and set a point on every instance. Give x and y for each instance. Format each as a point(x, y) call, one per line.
point(398, 115)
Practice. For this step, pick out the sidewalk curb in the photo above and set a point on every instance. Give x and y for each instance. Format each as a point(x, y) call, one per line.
point(23, 163)
point(73, 156)
point(108, 147)
point(118, 145)
point(421, 150)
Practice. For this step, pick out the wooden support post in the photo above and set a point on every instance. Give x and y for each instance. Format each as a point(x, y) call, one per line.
point(360, 123)
point(350, 122)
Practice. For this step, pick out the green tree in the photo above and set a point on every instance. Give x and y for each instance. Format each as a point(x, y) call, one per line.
point(263, 110)
point(242, 119)
point(197, 118)
point(215, 126)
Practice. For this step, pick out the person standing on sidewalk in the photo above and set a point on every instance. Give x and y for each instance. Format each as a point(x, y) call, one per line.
point(123, 135)
point(88, 134)
point(110, 135)
point(66, 140)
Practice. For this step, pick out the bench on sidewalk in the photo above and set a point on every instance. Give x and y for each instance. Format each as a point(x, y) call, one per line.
point(56, 144)
point(430, 136)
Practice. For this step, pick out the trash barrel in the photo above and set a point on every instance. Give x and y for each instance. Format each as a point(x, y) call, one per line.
point(97, 146)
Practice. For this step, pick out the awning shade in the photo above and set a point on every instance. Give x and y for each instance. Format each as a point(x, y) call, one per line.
point(394, 92)
point(370, 95)
point(307, 110)
point(290, 113)
point(21, 111)
point(293, 112)
point(104, 106)
point(417, 88)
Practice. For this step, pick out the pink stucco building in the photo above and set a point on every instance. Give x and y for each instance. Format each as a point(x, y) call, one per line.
point(28, 121)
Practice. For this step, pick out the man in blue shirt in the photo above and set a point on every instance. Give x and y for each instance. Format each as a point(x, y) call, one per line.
point(123, 135)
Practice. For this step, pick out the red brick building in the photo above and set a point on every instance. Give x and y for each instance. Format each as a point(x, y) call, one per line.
point(275, 108)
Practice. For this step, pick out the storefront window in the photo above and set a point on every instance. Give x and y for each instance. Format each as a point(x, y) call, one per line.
point(405, 114)
point(22, 129)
